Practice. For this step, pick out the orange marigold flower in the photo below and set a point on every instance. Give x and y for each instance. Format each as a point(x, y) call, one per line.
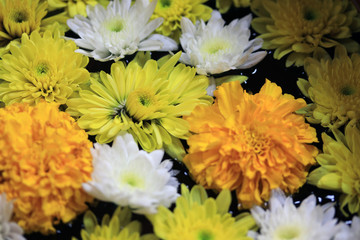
point(250, 143)
point(44, 159)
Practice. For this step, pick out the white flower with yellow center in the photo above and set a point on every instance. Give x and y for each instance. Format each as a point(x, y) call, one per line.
point(129, 177)
point(214, 48)
point(284, 221)
point(120, 29)
point(8, 230)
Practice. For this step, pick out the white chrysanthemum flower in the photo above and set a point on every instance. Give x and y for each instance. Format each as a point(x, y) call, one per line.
point(8, 230)
point(284, 221)
point(214, 48)
point(127, 176)
point(347, 233)
point(120, 29)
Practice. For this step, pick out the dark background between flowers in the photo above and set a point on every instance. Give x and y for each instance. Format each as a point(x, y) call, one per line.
point(269, 68)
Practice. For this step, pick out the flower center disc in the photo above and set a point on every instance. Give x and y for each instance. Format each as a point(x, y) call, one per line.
point(115, 25)
point(165, 3)
point(347, 91)
point(19, 16)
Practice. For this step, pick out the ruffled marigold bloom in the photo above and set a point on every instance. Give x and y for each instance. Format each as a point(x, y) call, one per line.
point(250, 143)
point(74, 7)
point(224, 5)
point(334, 87)
point(173, 10)
point(198, 217)
point(23, 16)
point(42, 67)
point(301, 27)
point(44, 159)
point(147, 102)
point(340, 167)
point(118, 227)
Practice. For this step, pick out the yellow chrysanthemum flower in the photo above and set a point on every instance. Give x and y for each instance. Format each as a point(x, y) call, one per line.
point(198, 217)
point(74, 7)
point(44, 159)
point(334, 87)
point(173, 10)
point(42, 67)
point(224, 5)
point(301, 27)
point(250, 143)
point(119, 227)
point(340, 167)
point(24, 16)
point(147, 101)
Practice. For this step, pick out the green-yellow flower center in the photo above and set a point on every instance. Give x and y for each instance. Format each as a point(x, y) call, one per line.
point(165, 3)
point(214, 46)
point(115, 25)
point(287, 233)
point(19, 16)
point(42, 69)
point(310, 15)
point(132, 180)
point(348, 90)
point(205, 235)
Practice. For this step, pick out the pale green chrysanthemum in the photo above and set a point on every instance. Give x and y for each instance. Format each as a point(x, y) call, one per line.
point(224, 5)
point(173, 10)
point(119, 227)
point(147, 102)
point(340, 167)
point(299, 28)
point(334, 87)
point(198, 217)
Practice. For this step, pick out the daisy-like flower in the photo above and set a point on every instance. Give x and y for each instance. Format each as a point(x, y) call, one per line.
point(345, 232)
point(42, 67)
point(284, 221)
point(198, 217)
point(147, 102)
point(74, 7)
point(118, 227)
point(334, 87)
point(224, 5)
point(23, 16)
point(44, 159)
point(250, 143)
point(173, 10)
point(299, 28)
point(214, 48)
point(8, 230)
point(340, 167)
point(121, 29)
point(129, 177)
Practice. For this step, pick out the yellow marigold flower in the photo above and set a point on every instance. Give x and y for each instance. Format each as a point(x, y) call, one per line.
point(300, 27)
point(147, 102)
point(42, 67)
point(44, 159)
point(74, 7)
point(198, 217)
point(119, 227)
point(250, 143)
point(334, 87)
point(340, 167)
point(224, 5)
point(173, 10)
point(24, 16)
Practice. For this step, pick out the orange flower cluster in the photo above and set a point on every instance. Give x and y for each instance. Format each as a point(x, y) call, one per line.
point(44, 159)
point(250, 143)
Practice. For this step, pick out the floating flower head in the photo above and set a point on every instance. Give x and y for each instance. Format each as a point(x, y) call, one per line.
point(214, 48)
point(42, 67)
point(224, 5)
point(74, 7)
point(349, 232)
point(284, 221)
point(129, 177)
point(22, 16)
point(340, 167)
point(9, 230)
point(334, 87)
point(173, 10)
point(118, 227)
point(44, 159)
point(250, 143)
point(198, 217)
point(301, 27)
point(121, 29)
point(147, 102)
